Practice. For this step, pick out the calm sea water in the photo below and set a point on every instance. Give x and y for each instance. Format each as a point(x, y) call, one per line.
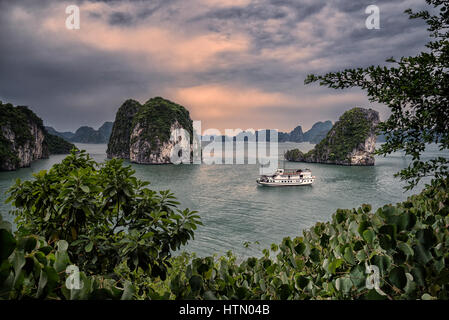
point(235, 210)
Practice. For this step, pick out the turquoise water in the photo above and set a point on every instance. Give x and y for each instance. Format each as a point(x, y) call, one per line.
point(235, 210)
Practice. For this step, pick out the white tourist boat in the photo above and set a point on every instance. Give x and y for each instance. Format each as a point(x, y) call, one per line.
point(287, 177)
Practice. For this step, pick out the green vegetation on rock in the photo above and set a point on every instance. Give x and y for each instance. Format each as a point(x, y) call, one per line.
point(15, 132)
point(294, 155)
point(57, 145)
point(156, 117)
point(146, 129)
point(349, 131)
point(348, 135)
point(21, 128)
point(17, 120)
point(118, 145)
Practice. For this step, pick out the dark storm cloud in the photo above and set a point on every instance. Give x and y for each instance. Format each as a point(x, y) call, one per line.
point(72, 83)
point(146, 9)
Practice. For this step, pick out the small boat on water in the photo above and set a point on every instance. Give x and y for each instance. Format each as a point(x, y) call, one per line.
point(287, 177)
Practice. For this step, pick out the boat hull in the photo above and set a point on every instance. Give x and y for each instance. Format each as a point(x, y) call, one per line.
point(281, 184)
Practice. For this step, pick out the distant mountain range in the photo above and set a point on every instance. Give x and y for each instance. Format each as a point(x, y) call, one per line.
point(317, 133)
point(86, 134)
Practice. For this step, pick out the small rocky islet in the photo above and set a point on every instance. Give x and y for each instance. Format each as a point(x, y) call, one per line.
point(350, 142)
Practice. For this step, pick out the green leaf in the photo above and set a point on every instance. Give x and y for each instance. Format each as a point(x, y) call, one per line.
point(404, 247)
point(358, 276)
point(301, 281)
point(334, 265)
point(368, 236)
point(315, 255)
point(61, 261)
point(343, 284)
point(89, 246)
point(374, 295)
point(128, 291)
point(42, 283)
point(209, 295)
point(7, 244)
point(62, 245)
point(299, 248)
point(426, 238)
point(427, 296)
point(196, 283)
point(422, 255)
point(349, 255)
point(398, 278)
point(18, 261)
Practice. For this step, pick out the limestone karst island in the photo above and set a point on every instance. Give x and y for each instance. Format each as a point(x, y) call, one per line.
point(238, 151)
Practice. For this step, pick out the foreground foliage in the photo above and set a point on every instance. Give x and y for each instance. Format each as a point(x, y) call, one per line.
point(106, 214)
point(121, 236)
point(409, 243)
point(32, 268)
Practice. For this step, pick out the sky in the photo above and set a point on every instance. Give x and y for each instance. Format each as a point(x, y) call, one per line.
point(231, 63)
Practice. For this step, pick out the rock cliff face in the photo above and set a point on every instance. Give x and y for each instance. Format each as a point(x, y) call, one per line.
point(23, 138)
point(142, 133)
point(23, 152)
point(351, 141)
point(141, 150)
point(118, 146)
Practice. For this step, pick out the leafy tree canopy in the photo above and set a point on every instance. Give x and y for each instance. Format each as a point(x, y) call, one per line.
point(107, 215)
point(416, 91)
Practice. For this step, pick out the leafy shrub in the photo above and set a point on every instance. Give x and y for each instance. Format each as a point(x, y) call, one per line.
point(408, 243)
point(105, 214)
point(30, 268)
